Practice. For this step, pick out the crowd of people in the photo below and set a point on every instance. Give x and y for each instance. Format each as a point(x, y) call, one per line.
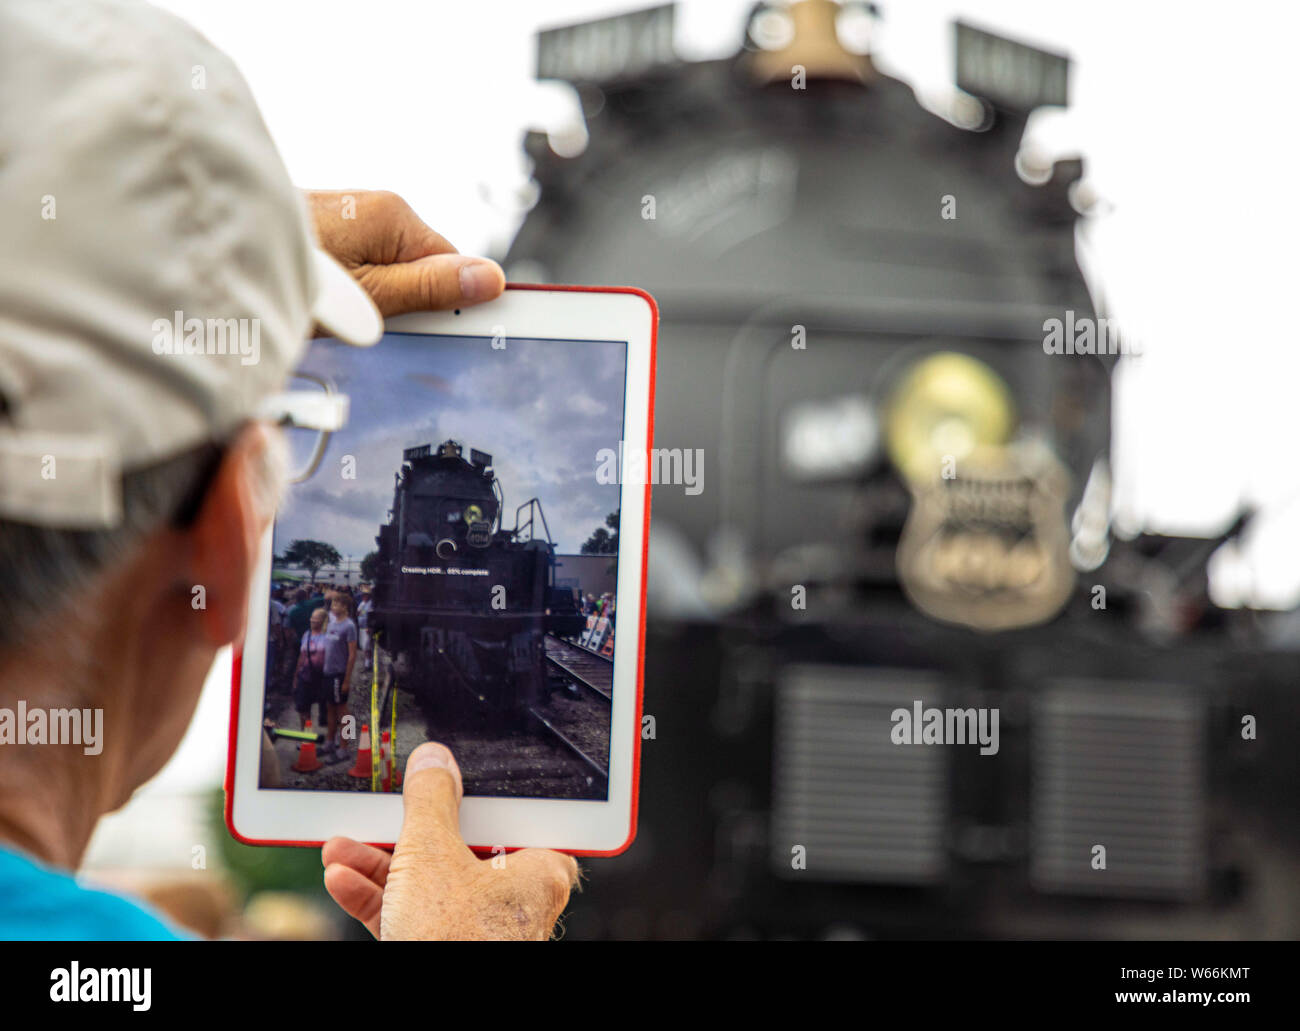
point(598, 607)
point(317, 634)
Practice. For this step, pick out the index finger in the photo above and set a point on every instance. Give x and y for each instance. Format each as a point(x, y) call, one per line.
point(372, 863)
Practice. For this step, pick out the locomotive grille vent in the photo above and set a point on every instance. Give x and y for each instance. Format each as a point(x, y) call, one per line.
point(862, 808)
point(1124, 770)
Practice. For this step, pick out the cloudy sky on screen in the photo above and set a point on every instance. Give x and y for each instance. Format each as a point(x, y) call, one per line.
point(542, 409)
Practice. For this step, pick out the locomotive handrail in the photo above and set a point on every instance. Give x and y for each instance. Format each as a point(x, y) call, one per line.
point(529, 504)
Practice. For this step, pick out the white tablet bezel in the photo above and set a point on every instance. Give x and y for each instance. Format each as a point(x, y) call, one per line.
point(267, 816)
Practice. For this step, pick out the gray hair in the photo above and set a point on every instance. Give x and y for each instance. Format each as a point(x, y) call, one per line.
point(40, 567)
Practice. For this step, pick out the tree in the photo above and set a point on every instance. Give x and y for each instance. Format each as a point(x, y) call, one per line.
point(370, 567)
point(311, 555)
point(602, 542)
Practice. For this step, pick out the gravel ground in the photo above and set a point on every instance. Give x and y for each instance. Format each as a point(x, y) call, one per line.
point(584, 720)
point(522, 764)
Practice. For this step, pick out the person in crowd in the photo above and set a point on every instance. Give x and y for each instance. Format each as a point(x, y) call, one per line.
point(309, 674)
point(300, 614)
point(340, 658)
point(275, 640)
point(291, 640)
point(364, 609)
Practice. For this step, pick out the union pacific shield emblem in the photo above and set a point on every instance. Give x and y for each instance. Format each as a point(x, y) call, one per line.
point(987, 546)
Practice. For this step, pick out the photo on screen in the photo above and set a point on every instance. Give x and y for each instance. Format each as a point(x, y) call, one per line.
point(448, 571)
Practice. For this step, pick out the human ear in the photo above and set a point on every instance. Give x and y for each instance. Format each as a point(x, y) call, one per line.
point(227, 532)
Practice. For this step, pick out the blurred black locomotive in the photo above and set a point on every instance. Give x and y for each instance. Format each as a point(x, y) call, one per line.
point(911, 502)
point(461, 603)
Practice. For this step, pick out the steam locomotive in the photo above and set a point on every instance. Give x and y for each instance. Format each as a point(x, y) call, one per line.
point(461, 603)
point(833, 336)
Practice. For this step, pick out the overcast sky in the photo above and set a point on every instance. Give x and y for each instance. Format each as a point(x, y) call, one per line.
point(542, 409)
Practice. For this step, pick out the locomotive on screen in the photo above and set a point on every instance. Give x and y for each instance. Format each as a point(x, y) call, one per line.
point(462, 604)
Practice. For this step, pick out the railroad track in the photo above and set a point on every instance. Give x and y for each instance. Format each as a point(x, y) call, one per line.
point(593, 766)
point(574, 724)
point(593, 675)
point(582, 666)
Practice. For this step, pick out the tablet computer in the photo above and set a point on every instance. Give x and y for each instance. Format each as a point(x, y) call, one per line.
point(461, 557)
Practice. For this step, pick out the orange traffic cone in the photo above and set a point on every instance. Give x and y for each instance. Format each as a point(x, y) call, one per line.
point(362, 767)
point(307, 761)
point(388, 763)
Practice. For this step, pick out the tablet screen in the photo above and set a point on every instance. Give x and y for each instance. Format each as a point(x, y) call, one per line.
point(448, 570)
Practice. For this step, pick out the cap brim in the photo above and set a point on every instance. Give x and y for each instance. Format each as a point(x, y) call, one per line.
point(342, 308)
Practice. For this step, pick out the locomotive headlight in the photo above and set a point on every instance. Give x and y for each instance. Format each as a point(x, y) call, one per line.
point(946, 406)
point(830, 439)
point(473, 514)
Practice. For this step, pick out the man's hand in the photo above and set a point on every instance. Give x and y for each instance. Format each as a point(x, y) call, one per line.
point(402, 263)
point(433, 886)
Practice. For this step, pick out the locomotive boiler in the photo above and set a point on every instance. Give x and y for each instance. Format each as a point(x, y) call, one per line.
point(462, 604)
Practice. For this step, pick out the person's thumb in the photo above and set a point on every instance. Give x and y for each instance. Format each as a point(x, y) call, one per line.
point(435, 282)
point(431, 797)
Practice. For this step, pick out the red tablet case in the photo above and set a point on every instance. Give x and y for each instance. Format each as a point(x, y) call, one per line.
point(640, 644)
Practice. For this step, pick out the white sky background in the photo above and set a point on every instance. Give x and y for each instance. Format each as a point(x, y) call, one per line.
point(1184, 112)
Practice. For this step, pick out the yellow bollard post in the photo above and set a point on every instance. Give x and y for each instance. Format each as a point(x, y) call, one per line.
point(374, 713)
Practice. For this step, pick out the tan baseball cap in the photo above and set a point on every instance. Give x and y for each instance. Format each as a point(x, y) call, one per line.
point(158, 274)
